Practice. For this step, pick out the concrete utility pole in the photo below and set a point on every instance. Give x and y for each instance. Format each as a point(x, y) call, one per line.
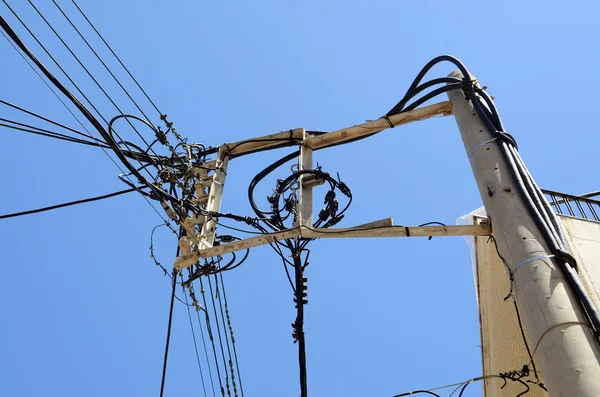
point(565, 347)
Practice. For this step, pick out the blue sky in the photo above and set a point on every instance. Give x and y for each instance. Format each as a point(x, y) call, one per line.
point(84, 308)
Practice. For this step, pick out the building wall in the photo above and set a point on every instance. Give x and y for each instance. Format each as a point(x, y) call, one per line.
point(584, 241)
point(502, 345)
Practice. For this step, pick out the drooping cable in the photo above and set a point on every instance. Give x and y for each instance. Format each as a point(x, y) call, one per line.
point(71, 203)
point(514, 376)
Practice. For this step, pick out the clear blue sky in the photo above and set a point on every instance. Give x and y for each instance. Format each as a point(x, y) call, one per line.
point(84, 309)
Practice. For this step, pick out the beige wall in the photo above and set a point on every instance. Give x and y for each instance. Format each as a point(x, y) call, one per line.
point(502, 345)
point(584, 241)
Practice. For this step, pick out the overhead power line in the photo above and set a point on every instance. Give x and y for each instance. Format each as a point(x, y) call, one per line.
point(110, 99)
point(88, 135)
point(70, 203)
point(109, 139)
point(100, 59)
point(115, 55)
point(43, 132)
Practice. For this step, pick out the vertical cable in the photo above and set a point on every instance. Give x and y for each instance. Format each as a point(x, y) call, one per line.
point(237, 365)
point(194, 338)
point(226, 337)
point(220, 338)
point(164, 371)
point(212, 340)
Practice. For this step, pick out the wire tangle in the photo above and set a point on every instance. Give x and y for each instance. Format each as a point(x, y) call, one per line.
point(517, 376)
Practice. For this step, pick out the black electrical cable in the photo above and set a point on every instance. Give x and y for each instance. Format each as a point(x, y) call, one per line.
point(409, 95)
point(12, 43)
point(432, 94)
point(127, 117)
point(237, 365)
point(108, 138)
point(47, 133)
point(418, 392)
point(216, 318)
point(212, 383)
point(56, 135)
point(299, 324)
point(231, 266)
point(211, 337)
point(86, 69)
point(53, 207)
point(115, 55)
point(533, 198)
point(231, 370)
point(45, 71)
point(49, 121)
point(194, 339)
point(164, 371)
point(514, 376)
point(260, 176)
point(101, 61)
point(28, 62)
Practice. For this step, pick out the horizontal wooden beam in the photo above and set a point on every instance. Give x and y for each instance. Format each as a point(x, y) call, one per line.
point(246, 146)
point(306, 232)
point(248, 243)
point(239, 148)
point(399, 231)
point(371, 127)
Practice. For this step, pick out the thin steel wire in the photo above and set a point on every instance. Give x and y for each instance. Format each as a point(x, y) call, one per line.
point(194, 338)
point(101, 61)
point(97, 84)
point(86, 98)
point(115, 55)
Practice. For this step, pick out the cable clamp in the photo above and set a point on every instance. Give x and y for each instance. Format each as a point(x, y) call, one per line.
point(506, 137)
point(535, 258)
point(480, 145)
point(468, 87)
point(386, 118)
point(565, 256)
